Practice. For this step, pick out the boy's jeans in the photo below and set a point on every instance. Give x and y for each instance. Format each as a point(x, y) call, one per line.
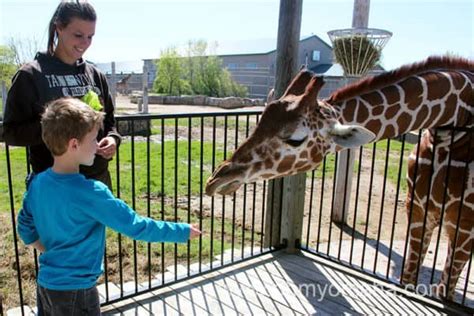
point(69, 303)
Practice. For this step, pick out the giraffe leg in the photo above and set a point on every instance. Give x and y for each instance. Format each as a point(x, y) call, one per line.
point(418, 244)
point(462, 251)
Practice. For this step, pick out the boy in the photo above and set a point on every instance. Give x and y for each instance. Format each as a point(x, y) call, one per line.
point(64, 214)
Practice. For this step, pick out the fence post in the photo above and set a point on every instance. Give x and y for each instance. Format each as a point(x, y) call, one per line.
point(145, 89)
point(342, 192)
point(113, 84)
point(343, 185)
point(286, 196)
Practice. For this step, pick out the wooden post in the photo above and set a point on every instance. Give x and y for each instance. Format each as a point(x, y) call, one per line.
point(145, 90)
point(285, 198)
point(360, 15)
point(345, 165)
point(343, 185)
point(113, 84)
point(360, 19)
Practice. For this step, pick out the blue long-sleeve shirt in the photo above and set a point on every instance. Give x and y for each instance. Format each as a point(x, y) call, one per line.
point(68, 214)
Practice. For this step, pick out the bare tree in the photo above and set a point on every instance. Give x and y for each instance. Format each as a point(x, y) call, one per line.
point(24, 49)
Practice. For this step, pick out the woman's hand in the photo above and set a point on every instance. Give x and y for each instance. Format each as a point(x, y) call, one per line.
point(107, 147)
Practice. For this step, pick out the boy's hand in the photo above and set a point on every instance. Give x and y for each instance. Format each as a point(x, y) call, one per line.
point(194, 231)
point(38, 246)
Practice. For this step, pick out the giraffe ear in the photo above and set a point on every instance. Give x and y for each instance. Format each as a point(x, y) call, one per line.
point(299, 83)
point(312, 89)
point(350, 136)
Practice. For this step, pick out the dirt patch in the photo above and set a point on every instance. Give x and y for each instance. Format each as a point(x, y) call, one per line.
point(125, 106)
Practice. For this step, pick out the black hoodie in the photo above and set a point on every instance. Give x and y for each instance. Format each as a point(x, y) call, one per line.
point(45, 79)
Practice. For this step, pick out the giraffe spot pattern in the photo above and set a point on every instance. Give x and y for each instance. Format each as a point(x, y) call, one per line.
point(391, 93)
point(350, 108)
point(390, 131)
point(412, 84)
point(268, 163)
point(392, 111)
point(373, 98)
point(403, 122)
point(374, 126)
point(363, 113)
point(376, 111)
point(439, 86)
point(435, 111)
point(286, 164)
point(421, 117)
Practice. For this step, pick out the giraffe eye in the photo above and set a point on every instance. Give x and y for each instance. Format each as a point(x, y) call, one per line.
point(295, 142)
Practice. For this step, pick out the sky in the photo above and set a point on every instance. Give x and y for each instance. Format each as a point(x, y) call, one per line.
point(141, 29)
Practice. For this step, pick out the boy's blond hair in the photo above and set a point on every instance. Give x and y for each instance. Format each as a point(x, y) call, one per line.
point(65, 119)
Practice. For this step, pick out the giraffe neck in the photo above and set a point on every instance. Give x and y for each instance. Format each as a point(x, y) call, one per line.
point(427, 100)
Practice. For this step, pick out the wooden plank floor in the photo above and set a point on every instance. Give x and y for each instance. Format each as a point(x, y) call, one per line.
point(279, 283)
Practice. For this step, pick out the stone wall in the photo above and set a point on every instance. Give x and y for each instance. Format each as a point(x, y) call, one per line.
point(134, 127)
point(226, 103)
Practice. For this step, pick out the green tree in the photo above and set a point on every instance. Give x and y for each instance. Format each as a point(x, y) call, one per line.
point(7, 64)
point(230, 87)
point(205, 72)
point(169, 78)
point(199, 72)
point(194, 52)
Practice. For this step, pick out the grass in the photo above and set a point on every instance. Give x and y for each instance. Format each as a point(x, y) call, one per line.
point(208, 122)
point(18, 174)
point(173, 169)
point(393, 168)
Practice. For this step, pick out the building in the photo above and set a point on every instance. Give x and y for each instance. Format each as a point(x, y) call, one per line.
point(256, 71)
point(128, 73)
point(252, 64)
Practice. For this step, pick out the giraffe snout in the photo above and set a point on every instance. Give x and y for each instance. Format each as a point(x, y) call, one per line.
point(226, 179)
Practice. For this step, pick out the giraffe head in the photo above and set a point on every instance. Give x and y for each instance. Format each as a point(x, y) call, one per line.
point(294, 134)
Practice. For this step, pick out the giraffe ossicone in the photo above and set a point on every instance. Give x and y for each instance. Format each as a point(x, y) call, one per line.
point(296, 131)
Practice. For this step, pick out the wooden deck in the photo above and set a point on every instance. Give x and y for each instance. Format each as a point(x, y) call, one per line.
point(280, 283)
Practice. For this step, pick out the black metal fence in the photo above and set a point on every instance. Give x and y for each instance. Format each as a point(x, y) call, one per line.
point(161, 169)
point(374, 238)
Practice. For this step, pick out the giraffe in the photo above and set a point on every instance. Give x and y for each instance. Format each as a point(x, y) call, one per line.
point(122, 85)
point(296, 131)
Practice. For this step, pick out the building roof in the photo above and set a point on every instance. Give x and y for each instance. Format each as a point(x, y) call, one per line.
point(335, 70)
point(262, 46)
point(330, 70)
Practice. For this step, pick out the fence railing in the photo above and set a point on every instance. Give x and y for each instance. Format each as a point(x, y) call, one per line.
point(160, 170)
point(374, 239)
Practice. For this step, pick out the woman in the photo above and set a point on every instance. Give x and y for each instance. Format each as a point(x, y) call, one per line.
point(60, 72)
